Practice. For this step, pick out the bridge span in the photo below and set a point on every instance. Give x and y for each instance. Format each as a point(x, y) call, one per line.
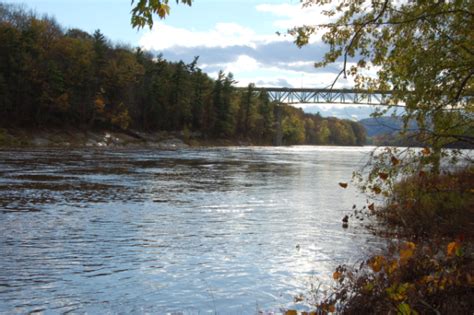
point(325, 96)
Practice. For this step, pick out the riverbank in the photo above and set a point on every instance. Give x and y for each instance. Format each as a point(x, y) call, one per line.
point(102, 138)
point(427, 265)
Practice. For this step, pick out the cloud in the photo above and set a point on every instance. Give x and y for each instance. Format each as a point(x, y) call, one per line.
point(280, 82)
point(222, 35)
point(269, 60)
point(283, 55)
point(249, 70)
point(242, 63)
point(291, 15)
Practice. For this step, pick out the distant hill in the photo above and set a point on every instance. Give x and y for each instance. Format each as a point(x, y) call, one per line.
point(386, 125)
point(385, 131)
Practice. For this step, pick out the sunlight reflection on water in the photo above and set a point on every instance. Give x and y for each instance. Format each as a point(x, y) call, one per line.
point(230, 230)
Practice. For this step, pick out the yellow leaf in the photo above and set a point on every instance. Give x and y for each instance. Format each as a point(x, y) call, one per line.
point(343, 185)
point(291, 312)
point(377, 263)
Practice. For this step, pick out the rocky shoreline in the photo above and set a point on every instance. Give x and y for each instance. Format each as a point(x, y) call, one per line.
point(108, 139)
point(93, 139)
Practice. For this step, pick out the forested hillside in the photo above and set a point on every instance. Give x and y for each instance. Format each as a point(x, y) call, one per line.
point(56, 78)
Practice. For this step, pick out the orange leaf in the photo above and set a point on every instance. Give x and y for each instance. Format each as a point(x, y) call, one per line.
point(383, 176)
point(331, 308)
point(426, 151)
point(343, 185)
point(452, 248)
point(336, 275)
point(291, 312)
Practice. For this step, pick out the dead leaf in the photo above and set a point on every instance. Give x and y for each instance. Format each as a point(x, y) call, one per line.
point(343, 185)
point(395, 161)
point(298, 298)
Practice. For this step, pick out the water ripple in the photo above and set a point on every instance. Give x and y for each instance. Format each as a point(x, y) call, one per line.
point(191, 231)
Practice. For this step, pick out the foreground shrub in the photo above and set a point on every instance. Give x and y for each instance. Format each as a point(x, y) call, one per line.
point(427, 205)
point(409, 278)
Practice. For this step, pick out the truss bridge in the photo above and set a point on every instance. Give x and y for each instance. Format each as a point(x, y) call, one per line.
point(326, 96)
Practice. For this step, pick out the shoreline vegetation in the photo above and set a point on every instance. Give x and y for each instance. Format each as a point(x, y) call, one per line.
point(55, 78)
point(427, 266)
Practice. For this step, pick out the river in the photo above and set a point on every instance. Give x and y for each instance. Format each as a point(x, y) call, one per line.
point(213, 230)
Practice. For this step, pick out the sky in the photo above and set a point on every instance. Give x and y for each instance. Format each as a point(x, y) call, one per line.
point(238, 36)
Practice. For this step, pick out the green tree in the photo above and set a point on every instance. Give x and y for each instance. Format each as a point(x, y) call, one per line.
point(359, 132)
point(202, 92)
point(265, 125)
point(293, 126)
point(324, 133)
point(341, 132)
point(225, 105)
point(247, 115)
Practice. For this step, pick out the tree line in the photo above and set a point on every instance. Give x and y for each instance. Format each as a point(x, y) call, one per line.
point(51, 77)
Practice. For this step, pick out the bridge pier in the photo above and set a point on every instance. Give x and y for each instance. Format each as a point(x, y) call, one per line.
point(278, 140)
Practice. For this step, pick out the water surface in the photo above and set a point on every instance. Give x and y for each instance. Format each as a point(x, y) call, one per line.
point(226, 230)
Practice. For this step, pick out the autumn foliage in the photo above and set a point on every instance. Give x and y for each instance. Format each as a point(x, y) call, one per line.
point(51, 77)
